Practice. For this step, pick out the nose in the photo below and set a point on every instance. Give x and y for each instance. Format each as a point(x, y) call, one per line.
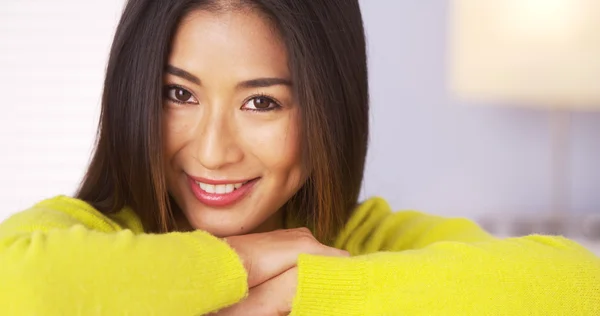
point(216, 145)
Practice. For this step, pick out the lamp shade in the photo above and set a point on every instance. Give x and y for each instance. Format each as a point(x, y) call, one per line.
point(531, 52)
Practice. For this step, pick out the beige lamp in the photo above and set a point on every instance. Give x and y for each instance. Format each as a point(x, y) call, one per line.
point(537, 53)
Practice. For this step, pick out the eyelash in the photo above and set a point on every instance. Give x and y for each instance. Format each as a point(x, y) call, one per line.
point(259, 95)
point(175, 86)
point(266, 96)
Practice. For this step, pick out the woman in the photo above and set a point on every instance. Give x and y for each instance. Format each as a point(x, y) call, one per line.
point(226, 127)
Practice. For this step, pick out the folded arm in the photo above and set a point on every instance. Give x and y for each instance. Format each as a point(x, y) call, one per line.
point(77, 262)
point(414, 264)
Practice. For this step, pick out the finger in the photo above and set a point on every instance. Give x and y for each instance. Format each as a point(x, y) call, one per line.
point(277, 294)
point(278, 251)
point(330, 252)
point(277, 260)
point(249, 306)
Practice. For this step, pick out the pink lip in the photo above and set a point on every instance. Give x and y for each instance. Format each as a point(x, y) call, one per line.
point(215, 182)
point(220, 200)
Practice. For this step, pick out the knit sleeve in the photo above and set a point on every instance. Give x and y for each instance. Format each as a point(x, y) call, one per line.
point(409, 263)
point(64, 258)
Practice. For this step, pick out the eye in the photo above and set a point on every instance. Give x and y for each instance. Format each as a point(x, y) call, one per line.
point(260, 103)
point(180, 95)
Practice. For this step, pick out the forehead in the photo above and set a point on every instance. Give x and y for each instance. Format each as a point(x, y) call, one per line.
point(241, 42)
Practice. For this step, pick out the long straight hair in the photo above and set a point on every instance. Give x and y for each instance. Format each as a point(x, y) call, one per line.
point(327, 59)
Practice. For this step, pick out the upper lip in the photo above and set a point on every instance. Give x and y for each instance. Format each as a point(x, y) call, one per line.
point(216, 182)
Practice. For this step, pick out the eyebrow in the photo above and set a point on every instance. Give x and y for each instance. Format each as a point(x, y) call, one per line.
point(182, 74)
point(264, 82)
point(253, 83)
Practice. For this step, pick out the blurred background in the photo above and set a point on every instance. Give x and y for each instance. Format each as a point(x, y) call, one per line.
point(479, 109)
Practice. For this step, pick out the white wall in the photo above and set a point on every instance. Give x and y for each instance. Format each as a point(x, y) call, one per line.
point(427, 151)
point(52, 59)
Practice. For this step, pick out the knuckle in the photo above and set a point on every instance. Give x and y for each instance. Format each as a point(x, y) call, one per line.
point(304, 230)
point(307, 240)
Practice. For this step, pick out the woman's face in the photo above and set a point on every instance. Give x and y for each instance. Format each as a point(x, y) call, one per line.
point(231, 125)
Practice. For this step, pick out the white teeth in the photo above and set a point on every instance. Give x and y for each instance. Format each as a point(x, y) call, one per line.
point(219, 188)
point(210, 188)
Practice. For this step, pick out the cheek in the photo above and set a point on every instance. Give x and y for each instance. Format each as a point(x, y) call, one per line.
point(176, 132)
point(276, 144)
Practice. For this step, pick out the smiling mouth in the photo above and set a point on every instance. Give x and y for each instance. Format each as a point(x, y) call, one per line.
point(220, 193)
point(220, 188)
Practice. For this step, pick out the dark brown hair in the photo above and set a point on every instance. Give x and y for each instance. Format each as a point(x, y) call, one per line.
point(326, 48)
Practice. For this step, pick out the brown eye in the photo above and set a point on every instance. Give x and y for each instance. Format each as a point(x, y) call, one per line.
point(180, 95)
point(261, 103)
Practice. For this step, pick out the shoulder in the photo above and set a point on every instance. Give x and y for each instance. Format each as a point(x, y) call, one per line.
point(62, 212)
point(374, 223)
point(374, 207)
point(377, 209)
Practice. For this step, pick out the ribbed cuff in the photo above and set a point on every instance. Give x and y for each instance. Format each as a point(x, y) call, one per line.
point(331, 286)
point(231, 283)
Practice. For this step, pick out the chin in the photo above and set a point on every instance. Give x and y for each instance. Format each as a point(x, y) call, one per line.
point(221, 223)
point(226, 231)
point(223, 232)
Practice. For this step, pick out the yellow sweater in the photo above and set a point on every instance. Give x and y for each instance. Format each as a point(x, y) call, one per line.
point(62, 257)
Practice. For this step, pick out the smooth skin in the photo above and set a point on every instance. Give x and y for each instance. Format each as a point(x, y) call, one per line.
point(270, 260)
point(227, 123)
point(224, 121)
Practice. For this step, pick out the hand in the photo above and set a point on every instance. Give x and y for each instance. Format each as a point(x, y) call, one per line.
point(267, 255)
point(272, 298)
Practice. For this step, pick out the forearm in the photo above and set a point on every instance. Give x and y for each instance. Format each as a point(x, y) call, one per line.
point(78, 271)
point(520, 276)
